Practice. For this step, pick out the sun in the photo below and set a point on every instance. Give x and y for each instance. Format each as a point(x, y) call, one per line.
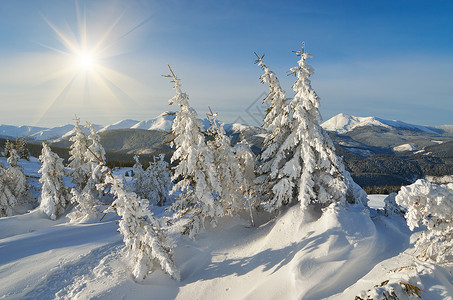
point(86, 62)
point(86, 57)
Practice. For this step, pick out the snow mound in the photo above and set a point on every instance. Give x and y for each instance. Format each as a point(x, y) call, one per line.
point(340, 254)
point(404, 147)
point(343, 123)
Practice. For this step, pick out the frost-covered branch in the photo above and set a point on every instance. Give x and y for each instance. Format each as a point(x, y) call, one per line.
point(430, 205)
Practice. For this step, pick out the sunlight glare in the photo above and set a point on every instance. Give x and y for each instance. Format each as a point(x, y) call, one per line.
point(86, 77)
point(86, 61)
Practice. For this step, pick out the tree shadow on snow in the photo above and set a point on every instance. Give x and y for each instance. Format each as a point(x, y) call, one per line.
point(269, 259)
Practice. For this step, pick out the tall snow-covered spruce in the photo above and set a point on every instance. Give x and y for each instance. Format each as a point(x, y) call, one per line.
point(197, 183)
point(300, 163)
point(277, 124)
point(54, 194)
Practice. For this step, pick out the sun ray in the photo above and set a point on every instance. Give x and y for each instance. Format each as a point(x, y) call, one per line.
point(88, 82)
point(136, 27)
point(82, 22)
point(55, 49)
point(66, 42)
point(61, 95)
point(106, 34)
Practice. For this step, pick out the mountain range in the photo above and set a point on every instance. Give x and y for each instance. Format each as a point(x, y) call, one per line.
point(375, 151)
point(340, 124)
point(162, 122)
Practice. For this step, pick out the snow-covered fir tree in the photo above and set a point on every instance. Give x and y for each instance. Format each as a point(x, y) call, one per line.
point(16, 179)
point(13, 157)
point(22, 150)
point(231, 167)
point(277, 124)
point(95, 155)
point(141, 181)
point(8, 147)
point(79, 169)
point(430, 205)
point(304, 166)
point(155, 183)
point(159, 170)
point(196, 177)
point(54, 194)
point(88, 199)
point(146, 243)
point(7, 199)
point(247, 165)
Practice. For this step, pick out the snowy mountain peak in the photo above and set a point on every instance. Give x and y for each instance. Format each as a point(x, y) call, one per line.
point(163, 122)
point(128, 123)
point(18, 131)
point(343, 123)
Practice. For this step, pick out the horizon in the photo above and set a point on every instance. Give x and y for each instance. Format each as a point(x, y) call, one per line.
point(200, 117)
point(103, 60)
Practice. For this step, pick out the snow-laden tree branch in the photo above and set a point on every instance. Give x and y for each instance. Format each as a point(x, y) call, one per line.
point(430, 205)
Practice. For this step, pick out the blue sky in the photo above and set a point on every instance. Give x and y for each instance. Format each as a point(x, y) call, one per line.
point(390, 59)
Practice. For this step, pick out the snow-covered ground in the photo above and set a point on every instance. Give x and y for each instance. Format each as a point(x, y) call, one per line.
point(404, 147)
point(339, 255)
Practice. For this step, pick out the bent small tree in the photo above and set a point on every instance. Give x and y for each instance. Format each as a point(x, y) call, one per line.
point(146, 244)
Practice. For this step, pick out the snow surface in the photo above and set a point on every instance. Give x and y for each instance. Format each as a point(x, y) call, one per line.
point(405, 147)
point(340, 254)
point(343, 123)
